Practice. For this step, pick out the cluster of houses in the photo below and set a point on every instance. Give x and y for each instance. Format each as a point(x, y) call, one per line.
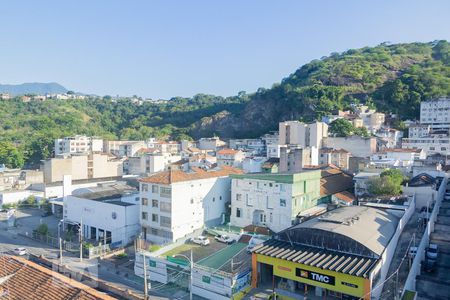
point(165, 192)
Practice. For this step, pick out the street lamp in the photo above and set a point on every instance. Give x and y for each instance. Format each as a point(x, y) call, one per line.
point(191, 262)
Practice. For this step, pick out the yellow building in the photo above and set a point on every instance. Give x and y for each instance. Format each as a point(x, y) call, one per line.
point(340, 255)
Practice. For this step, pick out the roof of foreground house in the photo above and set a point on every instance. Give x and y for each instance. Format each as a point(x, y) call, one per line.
point(23, 279)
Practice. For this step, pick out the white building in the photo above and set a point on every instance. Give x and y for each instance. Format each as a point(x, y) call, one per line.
point(294, 158)
point(436, 113)
point(397, 157)
point(304, 135)
point(230, 157)
point(212, 144)
point(432, 144)
point(253, 164)
point(148, 164)
point(108, 214)
point(130, 149)
point(177, 203)
point(272, 200)
point(356, 145)
point(78, 144)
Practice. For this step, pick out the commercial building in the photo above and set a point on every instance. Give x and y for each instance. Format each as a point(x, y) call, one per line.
point(342, 254)
point(78, 144)
point(304, 135)
point(108, 213)
point(175, 203)
point(272, 200)
point(81, 166)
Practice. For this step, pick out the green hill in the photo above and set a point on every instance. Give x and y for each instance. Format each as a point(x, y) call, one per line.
point(35, 88)
point(394, 78)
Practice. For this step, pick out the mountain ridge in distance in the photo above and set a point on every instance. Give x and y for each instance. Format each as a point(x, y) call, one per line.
point(36, 88)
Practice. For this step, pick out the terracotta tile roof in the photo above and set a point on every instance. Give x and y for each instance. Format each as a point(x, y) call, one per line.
point(227, 152)
point(25, 280)
point(346, 196)
point(147, 150)
point(172, 176)
point(401, 150)
point(334, 181)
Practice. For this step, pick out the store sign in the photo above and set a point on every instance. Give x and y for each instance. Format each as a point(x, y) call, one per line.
point(327, 279)
point(349, 284)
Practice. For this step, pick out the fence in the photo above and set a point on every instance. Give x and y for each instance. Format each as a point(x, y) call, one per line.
point(54, 242)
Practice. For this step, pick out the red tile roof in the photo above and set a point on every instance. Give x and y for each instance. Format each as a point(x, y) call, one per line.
point(27, 280)
point(172, 176)
point(227, 152)
point(345, 196)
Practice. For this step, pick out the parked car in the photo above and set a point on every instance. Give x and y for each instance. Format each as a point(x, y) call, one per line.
point(412, 252)
point(223, 238)
point(429, 265)
point(20, 251)
point(201, 240)
point(432, 251)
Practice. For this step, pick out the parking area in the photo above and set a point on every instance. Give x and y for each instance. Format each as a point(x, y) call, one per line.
point(28, 219)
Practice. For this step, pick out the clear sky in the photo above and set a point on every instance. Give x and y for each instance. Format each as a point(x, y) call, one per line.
point(161, 49)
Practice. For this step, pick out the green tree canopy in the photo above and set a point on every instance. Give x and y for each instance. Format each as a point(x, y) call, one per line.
point(10, 155)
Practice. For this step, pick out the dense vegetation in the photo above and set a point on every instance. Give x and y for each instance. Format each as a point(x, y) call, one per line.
point(394, 78)
point(388, 184)
point(343, 128)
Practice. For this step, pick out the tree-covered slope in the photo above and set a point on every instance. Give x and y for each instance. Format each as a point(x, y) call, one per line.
point(395, 78)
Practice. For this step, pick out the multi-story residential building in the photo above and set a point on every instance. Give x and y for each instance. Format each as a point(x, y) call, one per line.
point(304, 135)
point(253, 146)
point(432, 144)
point(337, 157)
point(114, 147)
point(371, 119)
point(5, 96)
point(82, 166)
point(175, 203)
point(253, 164)
point(230, 157)
point(271, 141)
point(130, 149)
point(392, 138)
point(168, 147)
point(294, 158)
point(212, 144)
point(397, 157)
point(151, 163)
point(272, 200)
point(78, 144)
point(435, 113)
point(356, 145)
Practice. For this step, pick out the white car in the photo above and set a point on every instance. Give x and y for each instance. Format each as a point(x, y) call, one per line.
point(20, 251)
point(201, 240)
point(223, 238)
point(432, 251)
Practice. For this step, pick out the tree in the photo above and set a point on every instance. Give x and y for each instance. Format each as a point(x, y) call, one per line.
point(11, 156)
point(341, 127)
point(42, 229)
point(395, 175)
point(389, 183)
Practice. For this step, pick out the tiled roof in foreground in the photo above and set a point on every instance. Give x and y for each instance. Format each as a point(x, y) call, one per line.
point(21, 279)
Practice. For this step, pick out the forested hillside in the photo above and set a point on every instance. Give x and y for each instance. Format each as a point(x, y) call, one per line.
point(394, 78)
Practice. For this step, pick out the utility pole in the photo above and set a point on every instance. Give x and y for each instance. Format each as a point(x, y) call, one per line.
point(145, 277)
point(81, 239)
point(60, 252)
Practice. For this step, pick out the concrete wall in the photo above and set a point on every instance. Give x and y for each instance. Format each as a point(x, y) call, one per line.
point(357, 146)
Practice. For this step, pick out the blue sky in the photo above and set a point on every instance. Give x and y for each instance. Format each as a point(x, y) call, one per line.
point(161, 49)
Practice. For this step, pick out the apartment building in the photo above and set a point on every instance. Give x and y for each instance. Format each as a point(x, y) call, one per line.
point(272, 200)
point(175, 203)
point(356, 145)
point(294, 158)
point(230, 157)
point(149, 163)
point(371, 119)
point(81, 166)
point(168, 147)
point(435, 113)
point(131, 149)
point(212, 144)
point(78, 144)
point(338, 157)
point(304, 135)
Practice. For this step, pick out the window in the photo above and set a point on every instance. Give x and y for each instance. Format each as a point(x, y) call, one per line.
point(144, 216)
point(238, 212)
point(282, 188)
point(154, 218)
point(164, 207)
point(145, 187)
point(165, 192)
point(238, 197)
point(248, 200)
point(262, 218)
point(155, 189)
point(164, 221)
point(154, 203)
point(144, 201)
point(271, 217)
point(220, 197)
point(283, 202)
